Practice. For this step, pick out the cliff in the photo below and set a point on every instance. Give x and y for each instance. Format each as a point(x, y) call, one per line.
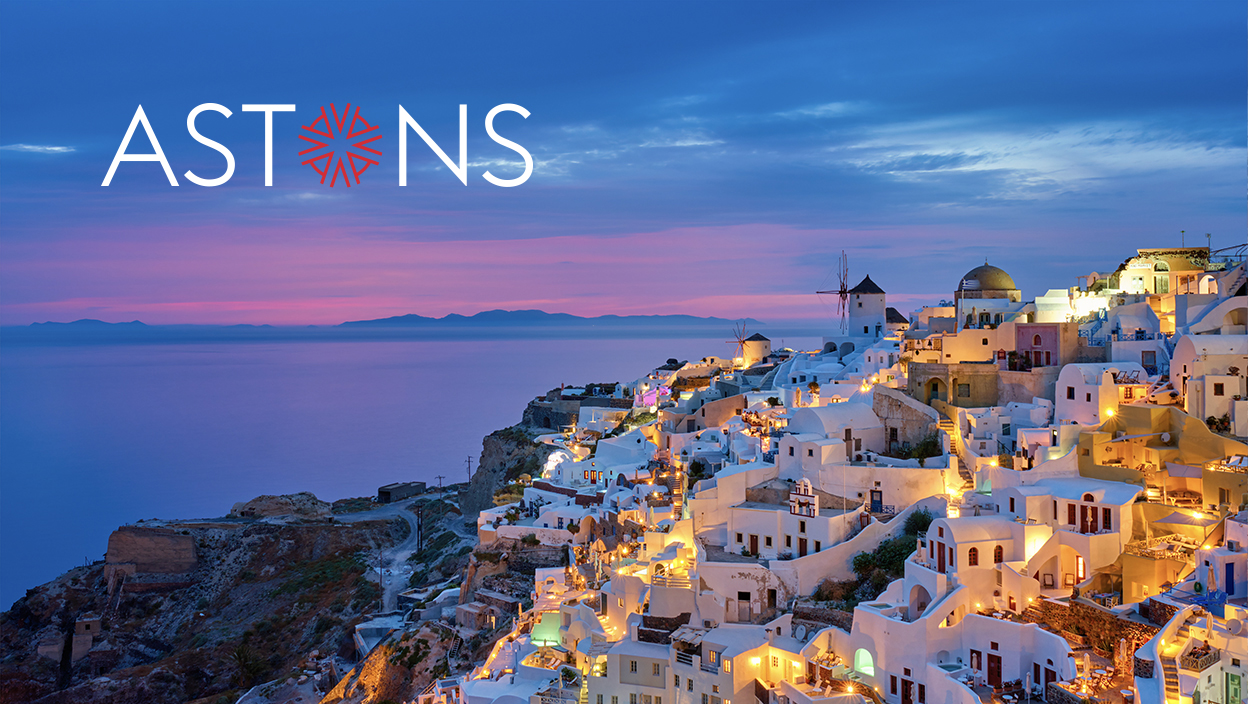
point(505, 455)
point(217, 607)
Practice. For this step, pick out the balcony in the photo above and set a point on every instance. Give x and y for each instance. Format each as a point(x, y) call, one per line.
point(684, 658)
point(709, 667)
point(1200, 659)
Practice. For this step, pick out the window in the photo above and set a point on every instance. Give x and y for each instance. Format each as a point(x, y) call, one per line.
point(1011, 504)
point(964, 390)
point(857, 444)
point(940, 531)
point(715, 689)
point(972, 557)
point(810, 452)
point(767, 541)
point(775, 661)
point(1106, 519)
point(1218, 390)
point(859, 304)
point(706, 698)
point(1070, 393)
point(892, 435)
point(676, 681)
point(615, 699)
point(1070, 514)
point(1035, 341)
point(632, 666)
point(790, 452)
point(599, 700)
point(922, 694)
point(1087, 397)
point(818, 546)
point(801, 526)
point(984, 343)
point(689, 685)
point(654, 669)
point(632, 698)
point(865, 330)
point(788, 541)
point(993, 645)
point(1054, 510)
point(892, 684)
point(739, 540)
point(998, 555)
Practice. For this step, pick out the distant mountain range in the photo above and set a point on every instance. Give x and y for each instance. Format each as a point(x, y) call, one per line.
point(512, 318)
point(487, 324)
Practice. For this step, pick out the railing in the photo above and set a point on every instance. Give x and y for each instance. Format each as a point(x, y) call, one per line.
point(684, 658)
point(676, 582)
point(711, 668)
point(556, 695)
point(1200, 663)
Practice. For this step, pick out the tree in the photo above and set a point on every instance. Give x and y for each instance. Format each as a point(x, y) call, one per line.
point(573, 528)
point(813, 387)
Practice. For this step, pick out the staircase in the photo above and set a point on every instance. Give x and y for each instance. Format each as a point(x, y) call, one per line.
point(950, 428)
point(584, 697)
point(1170, 668)
point(455, 647)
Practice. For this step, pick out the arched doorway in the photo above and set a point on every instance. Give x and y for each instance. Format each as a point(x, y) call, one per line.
point(919, 599)
point(864, 664)
point(937, 391)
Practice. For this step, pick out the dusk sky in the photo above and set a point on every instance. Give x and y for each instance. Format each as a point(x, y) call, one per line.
point(707, 159)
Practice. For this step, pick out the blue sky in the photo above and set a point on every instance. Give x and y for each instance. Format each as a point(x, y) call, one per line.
point(711, 159)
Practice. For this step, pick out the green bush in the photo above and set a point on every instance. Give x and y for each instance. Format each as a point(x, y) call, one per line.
point(919, 521)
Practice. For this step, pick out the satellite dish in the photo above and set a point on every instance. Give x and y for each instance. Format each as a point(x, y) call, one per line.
point(800, 633)
point(1235, 626)
point(1165, 437)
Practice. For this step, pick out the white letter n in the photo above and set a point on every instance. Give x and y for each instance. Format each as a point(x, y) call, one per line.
point(405, 121)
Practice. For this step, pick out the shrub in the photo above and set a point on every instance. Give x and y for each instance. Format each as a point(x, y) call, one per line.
point(919, 521)
point(531, 540)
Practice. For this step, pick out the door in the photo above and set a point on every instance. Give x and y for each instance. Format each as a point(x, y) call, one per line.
point(1228, 584)
point(940, 558)
point(743, 607)
point(994, 670)
point(1233, 688)
point(877, 501)
point(1083, 519)
point(1049, 676)
point(801, 547)
point(1035, 673)
point(771, 598)
point(907, 692)
point(753, 544)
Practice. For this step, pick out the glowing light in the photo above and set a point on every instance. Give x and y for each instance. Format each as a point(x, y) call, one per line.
point(1109, 413)
point(756, 661)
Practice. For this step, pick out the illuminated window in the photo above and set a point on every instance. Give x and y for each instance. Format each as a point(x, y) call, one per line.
point(972, 557)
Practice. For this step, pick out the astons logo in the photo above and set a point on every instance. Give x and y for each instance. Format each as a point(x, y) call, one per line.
point(343, 144)
point(343, 153)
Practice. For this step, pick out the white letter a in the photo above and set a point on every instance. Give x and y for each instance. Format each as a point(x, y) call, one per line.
point(139, 118)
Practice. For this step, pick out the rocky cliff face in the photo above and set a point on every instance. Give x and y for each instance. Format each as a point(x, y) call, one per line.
point(303, 505)
point(258, 598)
point(505, 455)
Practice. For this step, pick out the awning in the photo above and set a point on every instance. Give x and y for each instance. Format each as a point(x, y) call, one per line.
point(1175, 469)
point(1134, 437)
point(1186, 519)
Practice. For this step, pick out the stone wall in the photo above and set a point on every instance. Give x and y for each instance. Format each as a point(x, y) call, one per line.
point(1159, 612)
point(913, 420)
point(159, 550)
point(822, 616)
point(1102, 628)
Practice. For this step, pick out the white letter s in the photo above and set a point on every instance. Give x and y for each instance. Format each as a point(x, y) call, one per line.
point(528, 158)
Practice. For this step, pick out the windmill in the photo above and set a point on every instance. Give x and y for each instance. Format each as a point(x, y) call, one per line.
point(842, 294)
point(739, 336)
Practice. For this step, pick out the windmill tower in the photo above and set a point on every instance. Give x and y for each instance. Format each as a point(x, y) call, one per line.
point(841, 293)
point(739, 336)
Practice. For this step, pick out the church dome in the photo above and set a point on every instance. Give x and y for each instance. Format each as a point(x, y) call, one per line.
point(986, 278)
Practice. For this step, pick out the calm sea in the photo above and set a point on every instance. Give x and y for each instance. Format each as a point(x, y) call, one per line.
point(96, 435)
